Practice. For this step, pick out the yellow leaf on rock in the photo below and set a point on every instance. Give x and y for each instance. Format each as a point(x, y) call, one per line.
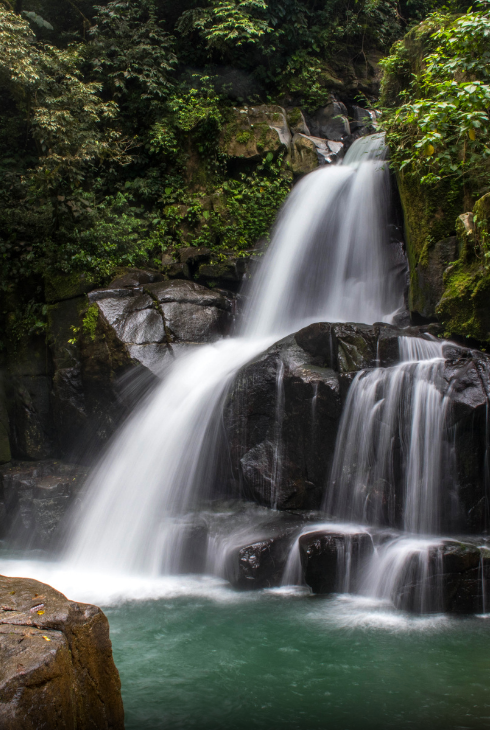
point(46, 638)
point(40, 613)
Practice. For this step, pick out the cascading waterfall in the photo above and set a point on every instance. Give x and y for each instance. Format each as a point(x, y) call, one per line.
point(391, 456)
point(393, 421)
point(327, 261)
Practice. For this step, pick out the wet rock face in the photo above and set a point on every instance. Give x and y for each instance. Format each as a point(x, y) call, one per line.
point(56, 665)
point(334, 562)
point(283, 412)
point(282, 418)
point(261, 563)
point(457, 581)
point(35, 499)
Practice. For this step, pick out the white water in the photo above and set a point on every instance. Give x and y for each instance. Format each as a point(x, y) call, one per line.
point(388, 459)
point(327, 261)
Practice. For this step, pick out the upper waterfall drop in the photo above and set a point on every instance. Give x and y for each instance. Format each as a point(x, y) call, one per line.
point(328, 258)
point(327, 261)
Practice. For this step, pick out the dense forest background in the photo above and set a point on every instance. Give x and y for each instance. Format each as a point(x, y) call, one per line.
point(112, 115)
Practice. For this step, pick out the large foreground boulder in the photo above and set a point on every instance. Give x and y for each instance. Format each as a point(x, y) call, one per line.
point(56, 666)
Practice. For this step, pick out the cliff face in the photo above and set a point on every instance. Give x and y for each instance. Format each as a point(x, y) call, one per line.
point(56, 665)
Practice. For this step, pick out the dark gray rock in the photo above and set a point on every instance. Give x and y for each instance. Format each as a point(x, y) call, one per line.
point(429, 286)
point(456, 580)
point(281, 419)
point(330, 122)
point(334, 562)
point(36, 497)
point(261, 563)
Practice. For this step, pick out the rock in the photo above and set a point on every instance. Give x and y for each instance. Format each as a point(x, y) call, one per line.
point(261, 563)
point(309, 152)
point(36, 497)
point(57, 669)
point(333, 562)
point(330, 122)
point(455, 580)
point(192, 255)
point(281, 417)
point(363, 120)
point(58, 287)
point(356, 347)
point(254, 132)
point(134, 278)
point(304, 157)
point(191, 312)
point(430, 276)
point(227, 274)
point(296, 121)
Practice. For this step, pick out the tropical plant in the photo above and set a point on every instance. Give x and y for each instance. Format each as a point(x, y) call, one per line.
point(441, 129)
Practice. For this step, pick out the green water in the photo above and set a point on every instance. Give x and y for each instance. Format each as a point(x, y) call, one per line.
point(278, 661)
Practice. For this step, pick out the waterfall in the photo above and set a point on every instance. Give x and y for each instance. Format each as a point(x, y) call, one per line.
point(389, 455)
point(327, 261)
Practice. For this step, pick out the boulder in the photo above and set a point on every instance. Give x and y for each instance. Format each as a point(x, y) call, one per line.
point(330, 122)
point(455, 579)
point(430, 276)
point(255, 131)
point(191, 312)
point(333, 562)
point(56, 668)
point(281, 418)
point(58, 287)
point(261, 563)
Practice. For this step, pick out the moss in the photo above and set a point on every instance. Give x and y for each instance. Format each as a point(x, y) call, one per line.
point(243, 137)
point(58, 287)
point(89, 322)
point(429, 215)
point(464, 307)
point(294, 116)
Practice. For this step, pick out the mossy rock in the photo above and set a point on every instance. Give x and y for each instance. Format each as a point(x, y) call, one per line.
point(64, 321)
point(464, 308)
point(58, 287)
point(304, 157)
point(253, 132)
point(410, 53)
point(429, 216)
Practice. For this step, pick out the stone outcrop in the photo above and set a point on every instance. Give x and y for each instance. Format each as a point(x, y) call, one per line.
point(34, 499)
point(457, 580)
point(65, 394)
point(307, 141)
point(56, 665)
point(284, 408)
point(334, 562)
point(261, 562)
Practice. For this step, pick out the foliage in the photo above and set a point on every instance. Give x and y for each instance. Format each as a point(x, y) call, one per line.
point(109, 137)
point(130, 50)
point(441, 129)
point(239, 213)
point(226, 24)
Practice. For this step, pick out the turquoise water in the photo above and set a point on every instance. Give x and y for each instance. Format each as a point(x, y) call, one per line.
point(272, 660)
